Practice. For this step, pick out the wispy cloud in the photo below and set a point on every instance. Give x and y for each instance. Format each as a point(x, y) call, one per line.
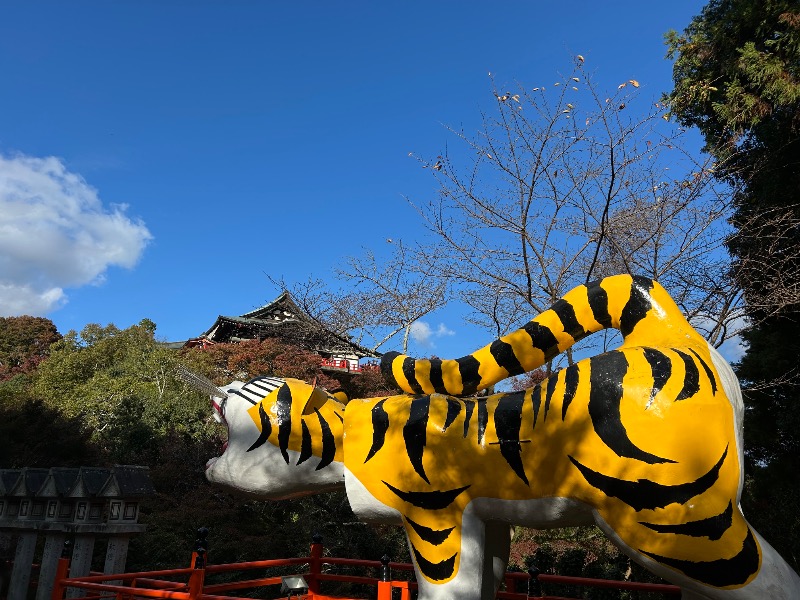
point(423, 334)
point(55, 233)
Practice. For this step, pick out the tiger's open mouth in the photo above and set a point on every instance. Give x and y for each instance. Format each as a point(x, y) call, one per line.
point(218, 406)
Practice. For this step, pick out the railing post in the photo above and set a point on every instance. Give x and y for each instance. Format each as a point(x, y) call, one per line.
point(511, 583)
point(534, 585)
point(198, 576)
point(405, 590)
point(385, 583)
point(315, 564)
point(62, 572)
point(200, 549)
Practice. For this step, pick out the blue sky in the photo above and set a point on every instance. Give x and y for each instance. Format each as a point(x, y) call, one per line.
point(159, 158)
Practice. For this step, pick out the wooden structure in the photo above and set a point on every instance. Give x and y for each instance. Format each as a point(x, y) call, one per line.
point(284, 320)
point(75, 505)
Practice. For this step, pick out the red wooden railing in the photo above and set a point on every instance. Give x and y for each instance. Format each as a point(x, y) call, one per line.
point(344, 365)
point(190, 583)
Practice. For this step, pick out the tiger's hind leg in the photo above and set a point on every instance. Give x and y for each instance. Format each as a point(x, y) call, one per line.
point(739, 565)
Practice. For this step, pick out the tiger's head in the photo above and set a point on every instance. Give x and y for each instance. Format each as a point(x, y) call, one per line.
point(284, 439)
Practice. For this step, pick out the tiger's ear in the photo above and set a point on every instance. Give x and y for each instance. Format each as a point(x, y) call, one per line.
point(316, 399)
point(341, 396)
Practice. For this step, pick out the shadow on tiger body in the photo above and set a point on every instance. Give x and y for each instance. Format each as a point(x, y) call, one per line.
point(644, 441)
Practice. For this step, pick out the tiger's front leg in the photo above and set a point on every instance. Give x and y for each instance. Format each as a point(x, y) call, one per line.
point(474, 572)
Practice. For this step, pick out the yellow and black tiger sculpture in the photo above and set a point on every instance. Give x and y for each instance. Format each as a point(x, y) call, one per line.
point(645, 441)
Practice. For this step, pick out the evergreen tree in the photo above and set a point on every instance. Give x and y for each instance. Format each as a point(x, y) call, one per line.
point(737, 78)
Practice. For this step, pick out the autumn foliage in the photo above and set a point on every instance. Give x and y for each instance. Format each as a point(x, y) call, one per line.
point(24, 343)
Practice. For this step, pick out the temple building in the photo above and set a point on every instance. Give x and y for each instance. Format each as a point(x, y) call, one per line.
point(284, 320)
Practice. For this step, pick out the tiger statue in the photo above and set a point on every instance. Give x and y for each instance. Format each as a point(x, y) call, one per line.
point(644, 441)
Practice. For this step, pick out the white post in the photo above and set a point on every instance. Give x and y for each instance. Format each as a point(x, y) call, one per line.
point(116, 555)
point(53, 546)
point(23, 560)
point(81, 562)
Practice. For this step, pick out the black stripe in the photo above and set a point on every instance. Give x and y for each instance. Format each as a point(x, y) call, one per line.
point(434, 500)
point(551, 388)
point(380, 425)
point(691, 381)
point(566, 313)
point(435, 571)
point(338, 416)
point(570, 388)
point(435, 376)
point(386, 367)
point(470, 378)
point(415, 433)
point(507, 423)
point(645, 494)
point(328, 443)
point(598, 302)
point(453, 409)
point(261, 386)
point(503, 354)
point(410, 373)
point(713, 527)
point(284, 417)
point(469, 406)
point(536, 398)
point(266, 428)
point(241, 395)
point(708, 371)
point(305, 445)
point(483, 419)
point(722, 572)
point(605, 393)
point(660, 368)
point(542, 338)
point(432, 536)
point(638, 304)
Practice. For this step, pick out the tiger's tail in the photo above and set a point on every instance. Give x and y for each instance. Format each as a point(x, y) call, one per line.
point(638, 307)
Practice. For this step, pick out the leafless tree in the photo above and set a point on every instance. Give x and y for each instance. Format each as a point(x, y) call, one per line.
point(774, 260)
point(379, 297)
point(563, 184)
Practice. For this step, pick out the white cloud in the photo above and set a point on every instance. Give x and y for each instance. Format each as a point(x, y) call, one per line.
point(443, 331)
point(55, 233)
point(733, 349)
point(423, 334)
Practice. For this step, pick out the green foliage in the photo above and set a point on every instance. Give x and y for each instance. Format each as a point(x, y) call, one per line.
point(121, 384)
point(35, 435)
point(737, 78)
point(736, 68)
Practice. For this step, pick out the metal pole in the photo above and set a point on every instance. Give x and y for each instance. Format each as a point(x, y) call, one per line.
point(197, 578)
point(200, 548)
point(385, 583)
point(534, 585)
